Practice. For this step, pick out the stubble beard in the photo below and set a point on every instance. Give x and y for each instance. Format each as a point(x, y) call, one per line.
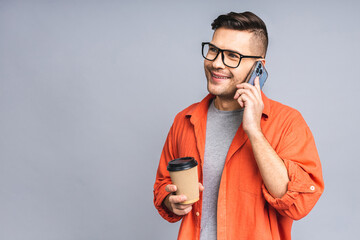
point(223, 93)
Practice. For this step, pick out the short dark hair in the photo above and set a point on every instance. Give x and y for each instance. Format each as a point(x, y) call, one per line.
point(245, 21)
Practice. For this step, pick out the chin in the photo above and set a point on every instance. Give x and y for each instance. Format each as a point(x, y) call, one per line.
point(218, 91)
point(213, 89)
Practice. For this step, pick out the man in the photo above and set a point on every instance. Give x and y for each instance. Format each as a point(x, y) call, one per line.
point(258, 165)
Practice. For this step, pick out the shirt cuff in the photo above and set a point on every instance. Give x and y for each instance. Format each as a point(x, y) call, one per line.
point(300, 182)
point(162, 209)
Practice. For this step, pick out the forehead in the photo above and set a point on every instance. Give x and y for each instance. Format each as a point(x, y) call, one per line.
point(232, 40)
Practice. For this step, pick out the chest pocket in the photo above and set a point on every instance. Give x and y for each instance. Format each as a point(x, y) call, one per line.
point(243, 172)
point(186, 145)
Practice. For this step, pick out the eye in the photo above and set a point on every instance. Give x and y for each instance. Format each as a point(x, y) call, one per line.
point(233, 55)
point(213, 49)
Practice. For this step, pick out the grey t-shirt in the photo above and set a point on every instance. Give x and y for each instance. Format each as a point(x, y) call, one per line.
point(221, 128)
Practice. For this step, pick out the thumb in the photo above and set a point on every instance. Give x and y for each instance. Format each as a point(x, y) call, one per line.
point(170, 188)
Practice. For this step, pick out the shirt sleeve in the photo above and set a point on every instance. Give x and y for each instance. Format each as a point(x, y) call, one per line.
point(298, 151)
point(163, 179)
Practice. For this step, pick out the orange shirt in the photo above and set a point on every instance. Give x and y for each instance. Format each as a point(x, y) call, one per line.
point(246, 210)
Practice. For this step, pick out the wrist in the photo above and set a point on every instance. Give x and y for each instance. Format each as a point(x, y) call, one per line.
point(255, 134)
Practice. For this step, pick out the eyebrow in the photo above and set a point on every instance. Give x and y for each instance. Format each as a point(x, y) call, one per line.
point(227, 49)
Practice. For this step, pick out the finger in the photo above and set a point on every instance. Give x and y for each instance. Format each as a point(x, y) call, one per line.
point(256, 91)
point(250, 90)
point(244, 85)
point(251, 95)
point(257, 83)
point(241, 103)
point(247, 85)
point(242, 91)
point(238, 98)
point(170, 188)
point(177, 198)
point(239, 92)
point(183, 212)
point(181, 206)
point(201, 187)
point(243, 100)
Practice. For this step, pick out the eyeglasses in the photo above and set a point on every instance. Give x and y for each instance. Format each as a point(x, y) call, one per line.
point(230, 58)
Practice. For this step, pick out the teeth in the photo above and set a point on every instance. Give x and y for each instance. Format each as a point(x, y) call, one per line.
point(220, 77)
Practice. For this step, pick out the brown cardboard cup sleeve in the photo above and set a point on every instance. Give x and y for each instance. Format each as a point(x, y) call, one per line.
point(184, 174)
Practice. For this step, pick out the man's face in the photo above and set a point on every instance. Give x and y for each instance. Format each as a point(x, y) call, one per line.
point(222, 80)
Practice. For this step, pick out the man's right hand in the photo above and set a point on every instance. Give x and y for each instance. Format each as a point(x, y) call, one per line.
point(173, 202)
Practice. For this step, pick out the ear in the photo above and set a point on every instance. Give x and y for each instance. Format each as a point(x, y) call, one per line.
point(263, 61)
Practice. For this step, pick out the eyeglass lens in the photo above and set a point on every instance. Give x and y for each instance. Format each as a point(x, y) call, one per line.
point(230, 59)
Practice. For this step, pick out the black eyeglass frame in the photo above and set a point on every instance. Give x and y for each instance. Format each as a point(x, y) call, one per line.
point(222, 54)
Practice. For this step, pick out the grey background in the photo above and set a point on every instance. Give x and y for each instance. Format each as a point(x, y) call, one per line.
point(89, 89)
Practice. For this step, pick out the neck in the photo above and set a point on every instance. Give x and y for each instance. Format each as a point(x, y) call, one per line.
point(226, 104)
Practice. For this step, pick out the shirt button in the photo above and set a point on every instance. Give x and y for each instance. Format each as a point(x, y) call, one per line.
point(312, 188)
point(197, 214)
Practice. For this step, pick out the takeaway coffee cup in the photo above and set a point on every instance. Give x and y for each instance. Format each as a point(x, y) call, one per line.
point(184, 174)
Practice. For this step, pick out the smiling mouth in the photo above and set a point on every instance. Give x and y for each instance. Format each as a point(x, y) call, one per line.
point(215, 76)
point(219, 76)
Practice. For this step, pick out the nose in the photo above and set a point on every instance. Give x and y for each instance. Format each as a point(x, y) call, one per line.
point(218, 62)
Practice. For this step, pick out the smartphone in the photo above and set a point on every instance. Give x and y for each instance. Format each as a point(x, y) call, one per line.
point(257, 70)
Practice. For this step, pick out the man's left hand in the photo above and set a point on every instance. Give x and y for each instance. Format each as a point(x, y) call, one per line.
point(249, 98)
